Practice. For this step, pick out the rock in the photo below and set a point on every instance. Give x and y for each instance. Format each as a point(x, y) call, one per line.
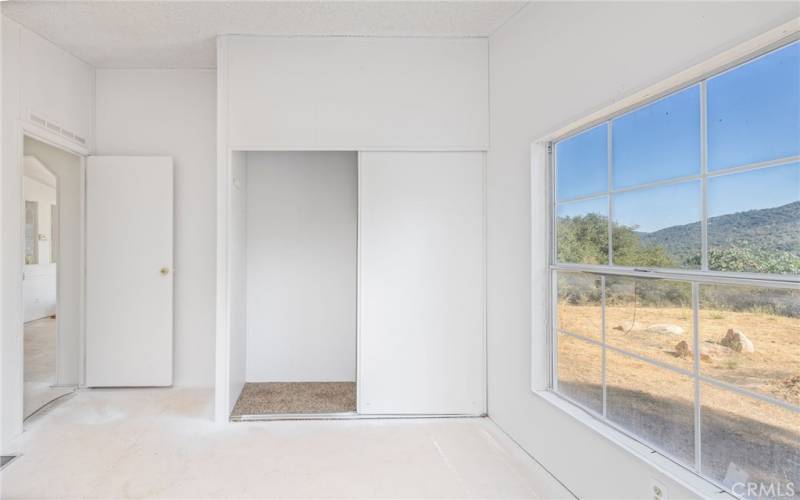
point(627, 326)
point(737, 341)
point(682, 349)
point(709, 351)
point(665, 329)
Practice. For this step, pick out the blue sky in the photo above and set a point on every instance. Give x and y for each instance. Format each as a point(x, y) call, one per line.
point(753, 116)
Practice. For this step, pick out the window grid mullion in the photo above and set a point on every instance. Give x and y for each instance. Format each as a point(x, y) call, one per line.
point(603, 344)
point(698, 428)
point(749, 167)
point(610, 166)
point(704, 176)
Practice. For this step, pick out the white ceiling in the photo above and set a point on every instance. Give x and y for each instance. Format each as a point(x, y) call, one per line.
point(180, 34)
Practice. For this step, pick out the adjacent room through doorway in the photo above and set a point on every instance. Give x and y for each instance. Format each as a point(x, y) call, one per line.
point(51, 276)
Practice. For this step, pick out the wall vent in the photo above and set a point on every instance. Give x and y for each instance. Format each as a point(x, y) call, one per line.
point(38, 120)
point(69, 134)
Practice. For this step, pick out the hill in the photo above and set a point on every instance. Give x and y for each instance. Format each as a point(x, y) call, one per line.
point(770, 229)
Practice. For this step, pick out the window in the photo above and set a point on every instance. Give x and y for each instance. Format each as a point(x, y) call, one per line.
point(31, 232)
point(676, 273)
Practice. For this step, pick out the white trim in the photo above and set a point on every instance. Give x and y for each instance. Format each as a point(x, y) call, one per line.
point(349, 416)
point(222, 351)
point(51, 138)
point(542, 347)
point(27, 129)
point(717, 277)
point(359, 370)
point(366, 149)
point(698, 421)
point(485, 281)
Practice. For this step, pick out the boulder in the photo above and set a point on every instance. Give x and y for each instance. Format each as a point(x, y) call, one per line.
point(709, 351)
point(682, 349)
point(737, 341)
point(665, 329)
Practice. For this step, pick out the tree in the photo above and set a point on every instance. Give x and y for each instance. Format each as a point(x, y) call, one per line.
point(584, 239)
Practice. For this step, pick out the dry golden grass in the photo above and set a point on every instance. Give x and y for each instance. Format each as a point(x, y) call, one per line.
point(658, 404)
point(773, 368)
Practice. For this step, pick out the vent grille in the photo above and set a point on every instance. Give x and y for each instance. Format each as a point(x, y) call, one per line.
point(38, 119)
point(54, 127)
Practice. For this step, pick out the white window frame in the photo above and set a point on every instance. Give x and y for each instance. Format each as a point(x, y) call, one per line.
point(544, 354)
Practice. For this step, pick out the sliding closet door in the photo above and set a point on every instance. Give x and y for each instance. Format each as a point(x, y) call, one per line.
point(421, 296)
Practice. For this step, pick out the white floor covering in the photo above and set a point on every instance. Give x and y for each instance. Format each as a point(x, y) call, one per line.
point(134, 443)
point(41, 340)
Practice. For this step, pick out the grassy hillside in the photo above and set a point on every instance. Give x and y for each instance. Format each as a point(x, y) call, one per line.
point(772, 229)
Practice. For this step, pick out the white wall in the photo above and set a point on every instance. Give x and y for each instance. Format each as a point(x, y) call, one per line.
point(39, 285)
point(551, 65)
point(301, 266)
point(346, 93)
point(68, 168)
point(37, 77)
point(173, 112)
point(56, 87)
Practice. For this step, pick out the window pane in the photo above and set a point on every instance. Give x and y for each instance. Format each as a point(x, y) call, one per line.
point(754, 111)
point(582, 229)
point(658, 227)
point(652, 318)
point(582, 163)
point(658, 141)
point(580, 304)
point(751, 338)
point(653, 403)
point(579, 371)
point(745, 440)
point(754, 221)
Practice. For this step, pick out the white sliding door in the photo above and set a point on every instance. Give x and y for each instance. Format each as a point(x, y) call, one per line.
point(128, 271)
point(421, 330)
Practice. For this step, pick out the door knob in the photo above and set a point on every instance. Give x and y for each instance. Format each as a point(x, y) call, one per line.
point(164, 271)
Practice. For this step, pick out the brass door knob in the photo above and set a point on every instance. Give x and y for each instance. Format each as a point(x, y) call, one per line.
point(164, 271)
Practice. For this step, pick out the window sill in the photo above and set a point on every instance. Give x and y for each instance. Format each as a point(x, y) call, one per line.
point(686, 478)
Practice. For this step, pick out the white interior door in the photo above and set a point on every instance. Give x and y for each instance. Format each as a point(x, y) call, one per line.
point(421, 297)
point(129, 276)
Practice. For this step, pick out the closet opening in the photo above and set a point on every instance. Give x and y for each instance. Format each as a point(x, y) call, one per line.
point(299, 214)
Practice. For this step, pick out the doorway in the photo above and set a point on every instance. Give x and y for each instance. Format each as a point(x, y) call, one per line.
point(52, 191)
point(301, 225)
